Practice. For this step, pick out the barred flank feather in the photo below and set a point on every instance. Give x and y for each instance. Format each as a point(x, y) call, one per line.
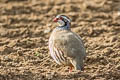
point(56, 54)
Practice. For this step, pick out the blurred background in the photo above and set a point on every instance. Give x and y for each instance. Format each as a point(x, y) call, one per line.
point(25, 27)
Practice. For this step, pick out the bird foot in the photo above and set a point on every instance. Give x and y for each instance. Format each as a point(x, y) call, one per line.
point(70, 69)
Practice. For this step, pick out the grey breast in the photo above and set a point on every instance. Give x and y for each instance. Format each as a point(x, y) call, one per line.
point(69, 43)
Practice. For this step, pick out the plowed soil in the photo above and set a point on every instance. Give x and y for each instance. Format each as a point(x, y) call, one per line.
point(25, 27)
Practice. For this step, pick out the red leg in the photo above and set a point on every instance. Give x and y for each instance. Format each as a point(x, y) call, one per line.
point(70, 68)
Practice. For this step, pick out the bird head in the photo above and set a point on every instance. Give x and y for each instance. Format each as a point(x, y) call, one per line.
point(62, 20)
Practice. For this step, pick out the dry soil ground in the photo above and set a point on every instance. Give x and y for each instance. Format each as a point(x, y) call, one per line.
point(25, 26)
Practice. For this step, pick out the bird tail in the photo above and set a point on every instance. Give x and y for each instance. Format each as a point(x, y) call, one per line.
point(78, 64)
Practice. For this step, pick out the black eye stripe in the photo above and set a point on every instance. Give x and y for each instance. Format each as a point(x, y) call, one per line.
point(59, 19)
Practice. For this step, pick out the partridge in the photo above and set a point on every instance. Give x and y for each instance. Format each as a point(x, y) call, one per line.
point(66, 47)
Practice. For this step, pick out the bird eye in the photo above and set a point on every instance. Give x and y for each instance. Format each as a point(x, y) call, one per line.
point(57, 18)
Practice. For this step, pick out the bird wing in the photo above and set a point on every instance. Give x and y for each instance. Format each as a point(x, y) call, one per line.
point(69, 43)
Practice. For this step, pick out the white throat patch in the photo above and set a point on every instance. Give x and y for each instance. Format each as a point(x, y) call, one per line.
point(61, 23)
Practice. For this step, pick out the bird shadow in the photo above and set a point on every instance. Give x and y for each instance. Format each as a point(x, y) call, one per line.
point(73, 75)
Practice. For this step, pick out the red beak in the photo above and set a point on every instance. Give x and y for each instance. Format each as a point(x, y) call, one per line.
point(55, 19)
